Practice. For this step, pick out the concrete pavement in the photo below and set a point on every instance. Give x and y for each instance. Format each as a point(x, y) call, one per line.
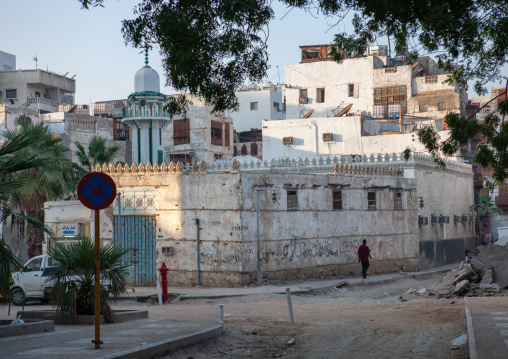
point(166, 330)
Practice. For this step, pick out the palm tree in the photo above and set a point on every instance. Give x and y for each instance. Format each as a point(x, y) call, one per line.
point(13, 161)
point(96, 153)
point(8, 264)
point(74, 288)
point(50, 180)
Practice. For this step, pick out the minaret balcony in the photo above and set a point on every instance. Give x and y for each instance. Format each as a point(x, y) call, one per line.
point(147, 111)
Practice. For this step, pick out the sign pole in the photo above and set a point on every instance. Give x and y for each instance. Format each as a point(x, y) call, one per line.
point(97, 191)
point(97, 340)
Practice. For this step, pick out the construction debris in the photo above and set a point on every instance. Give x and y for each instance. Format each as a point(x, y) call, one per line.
point(485, 274)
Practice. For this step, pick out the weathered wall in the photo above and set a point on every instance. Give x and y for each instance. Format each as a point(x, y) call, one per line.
point(313, 241)
point(82, 128)
point(200, 147)
point(446, 193)
point(334, 78)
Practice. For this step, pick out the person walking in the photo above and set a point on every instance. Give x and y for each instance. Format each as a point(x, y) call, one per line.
point(363, 256)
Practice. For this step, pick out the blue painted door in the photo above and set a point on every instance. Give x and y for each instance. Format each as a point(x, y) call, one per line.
point(138, 236)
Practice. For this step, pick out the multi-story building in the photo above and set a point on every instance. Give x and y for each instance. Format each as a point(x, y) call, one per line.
point(374, 85)
point(257, 103)
point(42, 90)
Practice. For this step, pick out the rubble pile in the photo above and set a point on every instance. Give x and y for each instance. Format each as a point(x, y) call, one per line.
point(492, 260)
point(485, 274)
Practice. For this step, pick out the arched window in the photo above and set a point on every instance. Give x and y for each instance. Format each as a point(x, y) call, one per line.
point(244, 150)
point(235, 151)
point(254, 149)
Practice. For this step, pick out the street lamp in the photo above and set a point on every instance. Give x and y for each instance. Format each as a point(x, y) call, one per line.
point(421, 202)
point(274, 200)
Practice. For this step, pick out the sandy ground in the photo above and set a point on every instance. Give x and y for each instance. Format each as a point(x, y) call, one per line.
point(354, 322)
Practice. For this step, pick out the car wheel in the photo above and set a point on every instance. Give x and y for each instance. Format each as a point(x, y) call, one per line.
point(17, 296)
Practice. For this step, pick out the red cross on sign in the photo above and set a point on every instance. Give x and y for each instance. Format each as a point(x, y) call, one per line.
point(96, 190)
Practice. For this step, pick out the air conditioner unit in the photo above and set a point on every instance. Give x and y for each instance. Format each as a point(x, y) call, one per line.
point(168, 251)
point(435, 219)
point(287, 140)
point(327, 136)
point(445, 219)
point(457, 219)
point(423, 221)
point(303, 100)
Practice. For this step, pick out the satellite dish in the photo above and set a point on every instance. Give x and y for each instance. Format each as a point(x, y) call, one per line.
point(142, 102)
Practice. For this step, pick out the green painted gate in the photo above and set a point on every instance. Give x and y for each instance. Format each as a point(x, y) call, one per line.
point(138, 236)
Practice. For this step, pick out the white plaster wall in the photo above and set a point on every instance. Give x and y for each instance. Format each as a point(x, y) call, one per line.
point(402, 77)
point(334, 78)
point(347, 139)
point(314, 236)
point(246, 119)
point(9, 116)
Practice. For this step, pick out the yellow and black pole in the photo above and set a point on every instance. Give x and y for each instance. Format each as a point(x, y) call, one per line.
point(97, 191)
point(97, 260)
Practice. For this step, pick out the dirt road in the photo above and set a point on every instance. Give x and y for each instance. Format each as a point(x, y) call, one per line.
point(348, 322)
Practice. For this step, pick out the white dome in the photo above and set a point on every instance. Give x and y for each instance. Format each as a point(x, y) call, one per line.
point(146, 79)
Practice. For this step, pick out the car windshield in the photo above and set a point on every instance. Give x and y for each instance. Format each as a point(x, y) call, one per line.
point(34, 265)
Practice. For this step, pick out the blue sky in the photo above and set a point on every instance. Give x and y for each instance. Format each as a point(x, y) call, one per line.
point(89, 43)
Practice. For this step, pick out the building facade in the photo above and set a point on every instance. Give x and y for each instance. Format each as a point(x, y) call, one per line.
point(374, 85)
point(257, 103)
point(324, 209)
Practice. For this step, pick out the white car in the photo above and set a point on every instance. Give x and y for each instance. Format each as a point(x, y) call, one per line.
point(32, 280)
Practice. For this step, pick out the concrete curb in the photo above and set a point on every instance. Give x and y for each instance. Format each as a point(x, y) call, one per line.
point(122, 316)
point(473, 354)
point(170, 345)
point(29, 327)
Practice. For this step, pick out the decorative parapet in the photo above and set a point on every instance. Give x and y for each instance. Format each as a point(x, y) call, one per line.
point(378, 164)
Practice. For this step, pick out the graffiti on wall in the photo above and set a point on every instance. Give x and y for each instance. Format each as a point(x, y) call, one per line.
point(295, 249)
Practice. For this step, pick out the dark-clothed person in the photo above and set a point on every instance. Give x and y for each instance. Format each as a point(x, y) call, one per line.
point(363, 256)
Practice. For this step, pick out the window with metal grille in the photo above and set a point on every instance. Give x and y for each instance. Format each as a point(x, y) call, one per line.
point(181, 131)
point(422, 108)
point(303, 98)
point(384, 96)
point(397, 201)
point(431, 79)
point(337, 200)
point(441, 106)
point(11, 93)
point(292, 200)
point(253, 106)
point(371, 201)
point(320, 95)
point(216, 132)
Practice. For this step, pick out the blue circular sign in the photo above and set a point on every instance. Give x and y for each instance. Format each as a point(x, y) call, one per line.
point(96, 190)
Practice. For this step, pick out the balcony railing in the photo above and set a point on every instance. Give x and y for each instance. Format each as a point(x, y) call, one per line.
point(145, 111)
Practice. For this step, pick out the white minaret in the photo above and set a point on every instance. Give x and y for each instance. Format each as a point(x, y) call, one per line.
point(146, 116)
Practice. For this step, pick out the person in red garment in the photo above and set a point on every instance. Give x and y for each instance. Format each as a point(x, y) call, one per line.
point(363, 256)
